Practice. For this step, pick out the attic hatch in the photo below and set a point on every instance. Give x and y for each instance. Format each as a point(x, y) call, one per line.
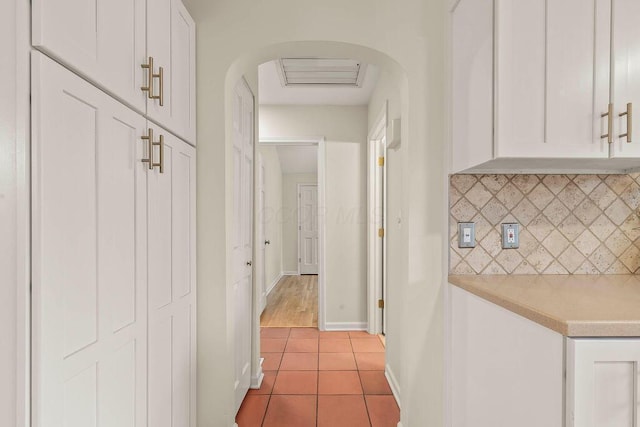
point(321, 72)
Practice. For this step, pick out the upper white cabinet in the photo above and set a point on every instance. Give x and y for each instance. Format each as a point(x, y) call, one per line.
point(547, 91)
point(171, 44)
point(102, 40)
point(625, 84)
point(140, 51)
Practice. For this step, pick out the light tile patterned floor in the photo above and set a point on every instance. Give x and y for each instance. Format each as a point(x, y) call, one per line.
point(320, 379)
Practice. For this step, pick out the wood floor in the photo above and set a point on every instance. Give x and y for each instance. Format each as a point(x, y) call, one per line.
point(293, 302)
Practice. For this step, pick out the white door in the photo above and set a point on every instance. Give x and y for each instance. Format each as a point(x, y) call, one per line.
point(308, 228)
point(171, 42)
point(381, 226)
point(552, 77)
point(625, 83)
point(602, 382)
point(242, 245)
point(89, 361)
point(172, 281)
point(102, 40)
point(261, 273)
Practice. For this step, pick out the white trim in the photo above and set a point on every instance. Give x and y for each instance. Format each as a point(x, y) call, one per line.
point(256, 380)
point(291, 140)
point(393, 383)
point(374, 281)
point(289, 273)
point(23, 212)
point(274, 283)
point(345, 326)
point(322, 294)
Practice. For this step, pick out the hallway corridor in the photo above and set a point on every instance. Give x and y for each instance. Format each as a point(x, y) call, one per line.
point(323, 379)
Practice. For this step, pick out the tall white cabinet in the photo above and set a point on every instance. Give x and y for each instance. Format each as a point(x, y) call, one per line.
point(114, 249)
point(89, 254)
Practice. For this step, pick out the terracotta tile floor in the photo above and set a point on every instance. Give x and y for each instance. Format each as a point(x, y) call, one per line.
point(320, 379)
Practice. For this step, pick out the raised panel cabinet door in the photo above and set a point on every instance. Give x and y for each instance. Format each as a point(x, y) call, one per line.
point(625, 82)
point(103, 40)
point(472, 84)
point(172, 281)
point(171, 42)
point(89, 362)
point(602, 382)
point(552, 78)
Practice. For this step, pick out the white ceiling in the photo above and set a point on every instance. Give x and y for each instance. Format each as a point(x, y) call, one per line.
point(273, 93)
point(298, 159)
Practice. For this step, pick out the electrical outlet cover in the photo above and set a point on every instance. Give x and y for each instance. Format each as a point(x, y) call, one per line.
point(510, 236)
point(466, 234)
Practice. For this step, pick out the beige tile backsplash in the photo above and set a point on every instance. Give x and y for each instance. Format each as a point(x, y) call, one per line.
point(569, 224)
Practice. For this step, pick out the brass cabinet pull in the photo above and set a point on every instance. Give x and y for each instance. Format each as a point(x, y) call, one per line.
point(150, 144)
point(149, 139)
point(160, 77)
point(609, 115)
point(629, 114)
point(149, 87)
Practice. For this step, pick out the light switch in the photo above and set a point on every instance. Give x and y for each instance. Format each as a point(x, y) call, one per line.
point(466, 235)
point(510, 236)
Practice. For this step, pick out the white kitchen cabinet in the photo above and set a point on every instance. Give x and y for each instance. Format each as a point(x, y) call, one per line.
point(505, 370)
point(89, 259)
point(552, 78)
point(171, 44)
point(172, 282)
point(551, 81)
point(602, 382)
point(625, 82)
point(105, 41)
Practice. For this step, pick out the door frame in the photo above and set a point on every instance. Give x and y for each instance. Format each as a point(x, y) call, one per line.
point(320, 142)
point(376, 253)
point(301, 184)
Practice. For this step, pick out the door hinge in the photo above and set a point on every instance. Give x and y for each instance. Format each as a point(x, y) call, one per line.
point(380, 232)
point(380, 303)
point(380, 161)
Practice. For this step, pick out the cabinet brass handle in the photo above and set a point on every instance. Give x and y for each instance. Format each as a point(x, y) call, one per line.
point(160, 77)
point(149, 87)
point(150, 144)
point(149, 138)
point(629, 114)
point(609, 115)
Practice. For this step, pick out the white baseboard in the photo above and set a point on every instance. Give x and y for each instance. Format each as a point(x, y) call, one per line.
point(256, 380)
point(290, 273)
point(274, 283)
point(346, 326)
point(393, 383)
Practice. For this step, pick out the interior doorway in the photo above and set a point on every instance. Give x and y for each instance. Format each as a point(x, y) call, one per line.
point(308, 229)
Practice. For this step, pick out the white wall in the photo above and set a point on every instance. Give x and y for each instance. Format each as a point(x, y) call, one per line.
point(273, 205)
point(406, 37)
point(289, 217)
point(387, 91)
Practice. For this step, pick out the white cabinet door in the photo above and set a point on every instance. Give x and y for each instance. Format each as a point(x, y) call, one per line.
point(602, 382)
point(626, 76)
point(104, 40)
point(171, 42)
point(172, 283)
point(472, 84)
point(242, 240)
point(89, 255)
point(552, 78)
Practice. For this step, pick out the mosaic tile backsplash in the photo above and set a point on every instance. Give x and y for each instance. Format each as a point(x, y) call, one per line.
point(569, 224)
